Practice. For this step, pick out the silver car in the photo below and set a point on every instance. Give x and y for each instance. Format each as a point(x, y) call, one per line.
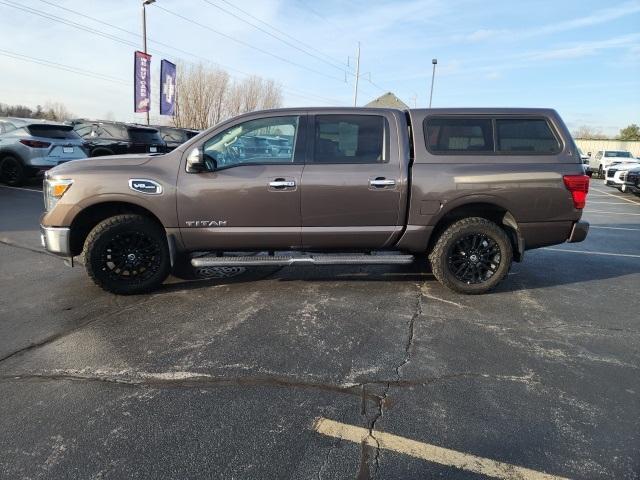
point(28, 147)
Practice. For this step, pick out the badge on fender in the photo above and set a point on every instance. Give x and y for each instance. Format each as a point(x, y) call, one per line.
point(143, 185)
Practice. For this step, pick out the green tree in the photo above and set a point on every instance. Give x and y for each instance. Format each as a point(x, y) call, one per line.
point(632, 132)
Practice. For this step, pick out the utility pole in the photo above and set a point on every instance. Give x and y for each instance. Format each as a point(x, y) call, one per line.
point(144, 35)
point(355, 92)
point(433, 77)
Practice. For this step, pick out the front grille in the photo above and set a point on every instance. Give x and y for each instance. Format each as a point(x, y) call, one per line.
point(611, 172)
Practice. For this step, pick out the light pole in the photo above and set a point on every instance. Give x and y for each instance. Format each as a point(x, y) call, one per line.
point(433, 77)
point(355, 92)
point(144, 32)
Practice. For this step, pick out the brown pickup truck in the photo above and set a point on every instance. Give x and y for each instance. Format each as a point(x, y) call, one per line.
point(470, 188)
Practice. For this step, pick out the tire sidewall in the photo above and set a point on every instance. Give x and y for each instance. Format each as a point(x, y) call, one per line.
point(98, 240)
point(490, 230)
point(21, 171)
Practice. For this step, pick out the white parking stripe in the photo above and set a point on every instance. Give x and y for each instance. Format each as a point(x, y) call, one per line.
point(428, 452)
point(615, 228)
point(23, 189)
point(591, 252)
point(616, 196)
point(611, 213)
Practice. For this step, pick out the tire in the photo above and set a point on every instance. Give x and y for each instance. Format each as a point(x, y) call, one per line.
point(127, 254)
point(467, 239)
point(589, 173)
point(12, 171)
point(101, 152)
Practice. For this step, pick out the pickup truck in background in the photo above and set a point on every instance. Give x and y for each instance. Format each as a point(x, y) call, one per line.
point(469, 189)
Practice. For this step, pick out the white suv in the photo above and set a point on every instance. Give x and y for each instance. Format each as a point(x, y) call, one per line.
point(605, 158)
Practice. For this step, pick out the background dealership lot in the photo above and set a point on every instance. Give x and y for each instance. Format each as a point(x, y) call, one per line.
point(227, 377)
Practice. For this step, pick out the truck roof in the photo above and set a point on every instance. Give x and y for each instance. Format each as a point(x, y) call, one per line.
point(423, 111)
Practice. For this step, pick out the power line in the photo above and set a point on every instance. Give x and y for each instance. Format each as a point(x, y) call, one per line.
point(246, 44)
point(342, 68)
point(61, 66)
point(76, 25)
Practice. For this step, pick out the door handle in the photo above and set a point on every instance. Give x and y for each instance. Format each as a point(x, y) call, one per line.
point(282, 183)
point(382, 182)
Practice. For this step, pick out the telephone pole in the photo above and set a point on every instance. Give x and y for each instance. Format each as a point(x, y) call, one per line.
point(144, 35)
point(433, 77)
point(355, 92)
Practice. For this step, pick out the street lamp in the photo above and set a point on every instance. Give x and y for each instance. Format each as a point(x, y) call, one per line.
point(433, 76)
point(144, 32)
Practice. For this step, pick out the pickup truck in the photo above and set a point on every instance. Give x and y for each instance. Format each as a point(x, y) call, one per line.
point(469, 190)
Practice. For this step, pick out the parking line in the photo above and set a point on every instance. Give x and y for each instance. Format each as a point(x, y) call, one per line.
point(428, 452)
point(611, 213)
point(23, 189)
point(617, 196)
point(615, 228)
point(591, 253)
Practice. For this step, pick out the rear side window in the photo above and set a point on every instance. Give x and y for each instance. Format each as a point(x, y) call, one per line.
point(144, 135)
point(458, 135)
point(525, 136)
point(53, 131)
point(349, 139)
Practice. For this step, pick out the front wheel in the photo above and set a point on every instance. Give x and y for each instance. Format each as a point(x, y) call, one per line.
point(471, 256)
point(127, 254)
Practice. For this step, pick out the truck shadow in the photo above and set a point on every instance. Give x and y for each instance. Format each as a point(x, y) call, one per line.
point(540, 269)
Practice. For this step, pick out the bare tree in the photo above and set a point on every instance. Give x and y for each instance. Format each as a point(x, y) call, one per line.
point(56, 111)
point(207, 96)
point(589, 133)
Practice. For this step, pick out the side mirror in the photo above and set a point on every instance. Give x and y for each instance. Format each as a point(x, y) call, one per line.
point(195, 161)
point(588, 154)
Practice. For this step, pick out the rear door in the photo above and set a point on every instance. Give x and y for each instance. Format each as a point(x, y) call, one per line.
point(251, 197)
point(354, 181)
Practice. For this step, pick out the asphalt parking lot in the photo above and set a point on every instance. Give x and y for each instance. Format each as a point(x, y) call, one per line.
point(281, 373)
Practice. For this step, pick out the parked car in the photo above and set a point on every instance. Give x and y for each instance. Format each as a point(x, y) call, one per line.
point(28, 147)
point(115, 138)
point(174, 137)
point(632, 180)
point(473, 189)
point(614, 174)
point(599, 162)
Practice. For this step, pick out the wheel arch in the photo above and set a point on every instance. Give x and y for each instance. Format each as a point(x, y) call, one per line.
point(486, 208)
point(93, 214)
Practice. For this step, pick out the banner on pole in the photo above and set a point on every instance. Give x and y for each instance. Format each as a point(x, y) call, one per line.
point(142, 82)
point(167, 88)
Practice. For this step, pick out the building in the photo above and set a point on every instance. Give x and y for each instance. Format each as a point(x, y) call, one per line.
point(388, 100)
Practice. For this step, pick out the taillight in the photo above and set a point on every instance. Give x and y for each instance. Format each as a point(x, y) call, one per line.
point(35, 143)
point(578, 185)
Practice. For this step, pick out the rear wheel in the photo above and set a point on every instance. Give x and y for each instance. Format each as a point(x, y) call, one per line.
point(471, 256)
point(12, 172)
point(127, 254)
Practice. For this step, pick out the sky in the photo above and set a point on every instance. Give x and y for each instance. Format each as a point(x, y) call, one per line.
point(581, 57)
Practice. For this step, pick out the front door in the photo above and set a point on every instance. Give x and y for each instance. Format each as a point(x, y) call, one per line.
point(351, 184)
point(249, 197)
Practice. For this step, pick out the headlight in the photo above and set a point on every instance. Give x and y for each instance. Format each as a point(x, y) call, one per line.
point(54, 189)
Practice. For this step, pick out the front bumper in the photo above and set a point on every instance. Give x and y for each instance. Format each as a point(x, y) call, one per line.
point(56, 240)
point(578, 232)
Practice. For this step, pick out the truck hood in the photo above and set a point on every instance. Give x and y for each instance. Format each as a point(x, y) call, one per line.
point(112, 161)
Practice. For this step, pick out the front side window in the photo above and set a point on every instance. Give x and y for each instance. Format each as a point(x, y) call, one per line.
point(525, 136)
point(349, 139)
point(458, 135)
point(265, 140)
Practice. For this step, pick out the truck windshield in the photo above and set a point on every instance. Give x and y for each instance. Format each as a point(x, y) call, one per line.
point(619, 154)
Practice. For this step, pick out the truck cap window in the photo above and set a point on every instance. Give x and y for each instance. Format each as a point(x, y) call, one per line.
point(349, 139)
point(526, 136)
point(265, 140)
point(458, 135)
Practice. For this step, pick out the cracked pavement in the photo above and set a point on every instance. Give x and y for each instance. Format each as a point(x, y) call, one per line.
point(224, 378)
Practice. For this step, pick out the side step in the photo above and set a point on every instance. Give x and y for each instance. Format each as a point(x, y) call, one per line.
point(301, 259)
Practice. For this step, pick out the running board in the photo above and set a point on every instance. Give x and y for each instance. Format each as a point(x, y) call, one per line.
point(311, 259)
